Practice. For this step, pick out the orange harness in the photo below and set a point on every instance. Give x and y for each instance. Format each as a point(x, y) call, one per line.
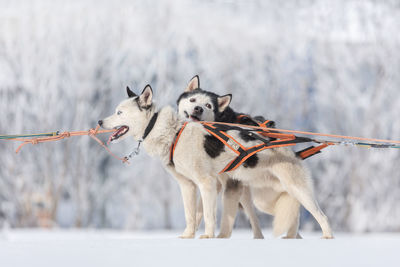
point(177, 136)
point(273, 139)
point(303, 154)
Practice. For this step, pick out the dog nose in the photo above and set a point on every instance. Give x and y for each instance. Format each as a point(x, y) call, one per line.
point(198, 110)
point(100, 122)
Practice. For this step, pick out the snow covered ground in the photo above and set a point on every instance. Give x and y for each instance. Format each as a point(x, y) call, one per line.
point(117, 248)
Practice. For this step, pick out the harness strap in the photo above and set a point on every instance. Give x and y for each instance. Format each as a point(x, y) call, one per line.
point(241, 116)
point(243, 153)
point(266, 124)
point(176, 139)
point(269, 139)
point(303, 154)
point(311, 151)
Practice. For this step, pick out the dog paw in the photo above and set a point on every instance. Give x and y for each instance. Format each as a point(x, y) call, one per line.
point(186, 236)
point(327, 237)
point(299, 236)
point(206, 236)
point(291, 237)
point(223, 236)
point(258, 236)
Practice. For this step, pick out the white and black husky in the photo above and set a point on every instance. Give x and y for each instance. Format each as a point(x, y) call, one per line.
point(197, 160)
point(195, 104)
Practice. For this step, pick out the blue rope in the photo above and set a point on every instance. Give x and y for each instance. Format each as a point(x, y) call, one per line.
point(28, 135)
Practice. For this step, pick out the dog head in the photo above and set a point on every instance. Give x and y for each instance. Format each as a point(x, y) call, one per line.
point(198, 105)
point(131, 116)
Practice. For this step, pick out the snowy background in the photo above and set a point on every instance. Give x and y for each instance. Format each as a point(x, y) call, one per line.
point(325, 66)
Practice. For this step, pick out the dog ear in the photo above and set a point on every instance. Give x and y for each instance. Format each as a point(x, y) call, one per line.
point(193, 84)
point(223, 102)
point(146, 98)
point(130, 93)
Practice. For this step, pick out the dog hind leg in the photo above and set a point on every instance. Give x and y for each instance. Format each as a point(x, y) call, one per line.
point(199, 210)
point(230, 197)
point(286, 216)
point(296, 182)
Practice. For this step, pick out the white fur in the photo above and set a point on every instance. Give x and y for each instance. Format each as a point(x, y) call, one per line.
point(201, 101)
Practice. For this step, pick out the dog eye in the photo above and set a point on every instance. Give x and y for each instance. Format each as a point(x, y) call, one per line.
point(208, 106)
point(119, 112)
point(192, 100)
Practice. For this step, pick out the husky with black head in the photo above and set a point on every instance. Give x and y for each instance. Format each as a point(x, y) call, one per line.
point(197, 104)
point(194, 166)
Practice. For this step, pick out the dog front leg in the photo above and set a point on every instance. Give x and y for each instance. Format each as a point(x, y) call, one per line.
point(189, 195)
point(208, 191)
point(199, 213)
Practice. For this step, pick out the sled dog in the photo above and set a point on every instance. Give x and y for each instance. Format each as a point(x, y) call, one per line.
point(199, 157)
point(194, 104)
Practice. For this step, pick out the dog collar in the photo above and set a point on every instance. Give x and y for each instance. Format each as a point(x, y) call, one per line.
point(146, 133)
point(150, 125)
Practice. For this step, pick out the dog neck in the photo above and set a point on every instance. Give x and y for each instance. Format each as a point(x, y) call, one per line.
point(159, 140)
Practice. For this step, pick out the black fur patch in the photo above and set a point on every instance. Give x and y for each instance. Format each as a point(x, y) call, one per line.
point(260, 118)
point(228, 115)
point(213, 146)
point(251, 162)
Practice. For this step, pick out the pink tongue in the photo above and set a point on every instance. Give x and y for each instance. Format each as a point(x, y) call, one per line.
point(111, 136)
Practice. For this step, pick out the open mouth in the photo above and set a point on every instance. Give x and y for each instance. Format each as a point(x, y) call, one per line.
point(192, 117)
point(187, 115)
point(121, 131)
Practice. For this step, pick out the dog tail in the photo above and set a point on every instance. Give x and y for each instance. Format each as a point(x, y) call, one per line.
point(286, 219)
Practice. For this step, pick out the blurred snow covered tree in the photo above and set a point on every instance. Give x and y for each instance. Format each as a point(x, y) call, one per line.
point(328, 66)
